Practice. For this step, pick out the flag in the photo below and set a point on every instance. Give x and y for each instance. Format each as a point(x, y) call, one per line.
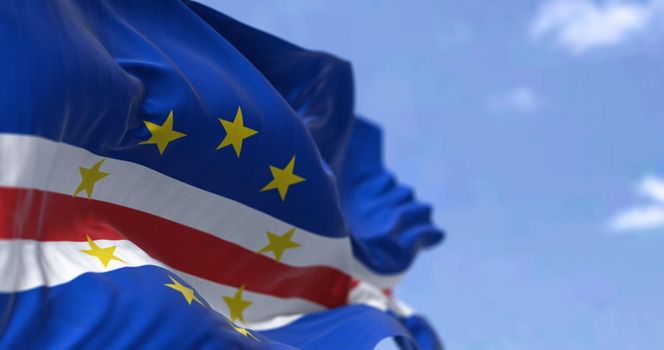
point(170, 177)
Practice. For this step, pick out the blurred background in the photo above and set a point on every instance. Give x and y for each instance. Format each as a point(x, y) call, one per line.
point(536, 131)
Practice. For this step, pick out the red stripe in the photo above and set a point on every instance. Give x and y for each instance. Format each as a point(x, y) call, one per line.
point(48, 216)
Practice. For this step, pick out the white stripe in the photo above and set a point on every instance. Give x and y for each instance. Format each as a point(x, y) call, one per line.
point(33, 162)
point(264, 308)
point(27, 264)
point(362, 273)
point(367, 294)
point(363, 294)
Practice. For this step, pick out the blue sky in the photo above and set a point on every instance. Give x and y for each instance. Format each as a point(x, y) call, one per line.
point(536, 130)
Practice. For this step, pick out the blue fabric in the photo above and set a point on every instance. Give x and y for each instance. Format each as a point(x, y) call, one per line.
point(107, 66)
point(317, 85)
point(132, 308)
point(422, 334)
point(88, 73)
point(388, 225)
point(128, 308)
point(349, 327)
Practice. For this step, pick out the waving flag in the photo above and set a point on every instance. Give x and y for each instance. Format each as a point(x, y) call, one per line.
point(172, 178)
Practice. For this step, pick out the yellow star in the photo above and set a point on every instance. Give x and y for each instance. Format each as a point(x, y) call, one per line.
point(282, 178)
point(105, 255)
point(236, 132)
point(241, 330)
point(162, 134)
point(187, 293)
point(89, 177)
point(279, 243)
point(236, 305)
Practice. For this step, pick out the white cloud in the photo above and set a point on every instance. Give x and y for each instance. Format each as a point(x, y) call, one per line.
point(653, 187)
point(644, 217)
point(520, 99)
point(581, 25)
